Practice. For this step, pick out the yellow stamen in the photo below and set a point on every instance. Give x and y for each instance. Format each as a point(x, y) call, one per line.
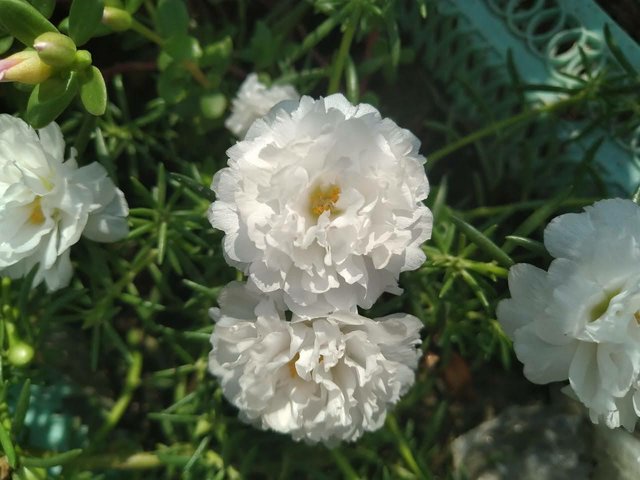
point(292, 366)
point(324, 199)
point(637, 316)
point(37, 216)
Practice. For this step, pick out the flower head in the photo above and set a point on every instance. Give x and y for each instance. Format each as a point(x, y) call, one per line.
point(254, 100)
point(324, 379)
point(46, 203)
point(322, 205)
point(580, 321)
point(24, 67)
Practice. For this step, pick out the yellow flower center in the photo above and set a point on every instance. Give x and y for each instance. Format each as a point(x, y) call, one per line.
point(37, 216)
point(323, 199)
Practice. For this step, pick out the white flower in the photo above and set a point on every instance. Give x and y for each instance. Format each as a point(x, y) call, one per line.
point(581, 320)
point(322, 380)
point(254, 100)
point(322, 205)
point(47, 203)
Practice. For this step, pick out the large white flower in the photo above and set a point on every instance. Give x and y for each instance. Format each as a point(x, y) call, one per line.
point(581, 320)
point(322, 380)
point(322, 204)
point(254, 100)
point(46, 203)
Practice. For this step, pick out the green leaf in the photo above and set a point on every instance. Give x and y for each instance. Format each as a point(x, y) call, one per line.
point(49, 99)
point(84, 19)
point(45, 7)
point(132, 6)
point(202, 190)
point(7, 446)
point(172, 84)
point(482, 241)
point(182, 47)
point(217, 55)
point(23, 21)
point(51, 461)
point(5, 43)
point(22, 405)
point(93, 92)
point(172, 18)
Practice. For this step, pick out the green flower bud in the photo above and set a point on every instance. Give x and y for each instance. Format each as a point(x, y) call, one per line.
point(20, 354)
point(55, 49)
point(83, 59)
point(116, 19)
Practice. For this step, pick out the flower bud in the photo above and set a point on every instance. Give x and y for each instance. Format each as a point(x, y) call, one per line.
point(24, 67)
point(83, 59)
point(20, 354)
point(55, 49)
point(116, 19)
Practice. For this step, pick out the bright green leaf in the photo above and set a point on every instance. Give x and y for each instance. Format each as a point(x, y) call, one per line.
point(49, 99)
point(23, 21)
point(93, 92)
point(84, 19)
point(172, 18)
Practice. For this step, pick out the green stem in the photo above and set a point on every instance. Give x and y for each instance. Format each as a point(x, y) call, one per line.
point(131, 383)
point(311, 40)
point(343, 464)
point(405, 449)
point(136, 461)
point(146, 32)
point(496, 127)
point(343, 51)
point(84, 134)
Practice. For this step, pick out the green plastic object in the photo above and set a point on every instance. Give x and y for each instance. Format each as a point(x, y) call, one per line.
point(472, 42)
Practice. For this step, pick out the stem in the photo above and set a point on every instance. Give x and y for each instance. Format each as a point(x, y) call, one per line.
point(136, 461)
point(501, 125)
point(131, 383)
point(405, 450)
point(84, 134)
point(310, 41)
point(343, 464)
point(343, 51)
point(149, 34)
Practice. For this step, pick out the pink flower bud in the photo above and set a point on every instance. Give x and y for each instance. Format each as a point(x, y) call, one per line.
point(24, 67)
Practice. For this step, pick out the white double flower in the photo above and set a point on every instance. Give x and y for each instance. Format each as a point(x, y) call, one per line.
point(47, 203)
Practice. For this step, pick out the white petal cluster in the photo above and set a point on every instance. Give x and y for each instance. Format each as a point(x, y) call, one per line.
point(321, 379)
point(580, 321)
point(321, 205)
point(47, 203)
point(254, 100)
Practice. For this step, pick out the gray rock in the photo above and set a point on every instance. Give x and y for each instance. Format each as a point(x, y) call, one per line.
point(617, 453)
point(526, 443)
